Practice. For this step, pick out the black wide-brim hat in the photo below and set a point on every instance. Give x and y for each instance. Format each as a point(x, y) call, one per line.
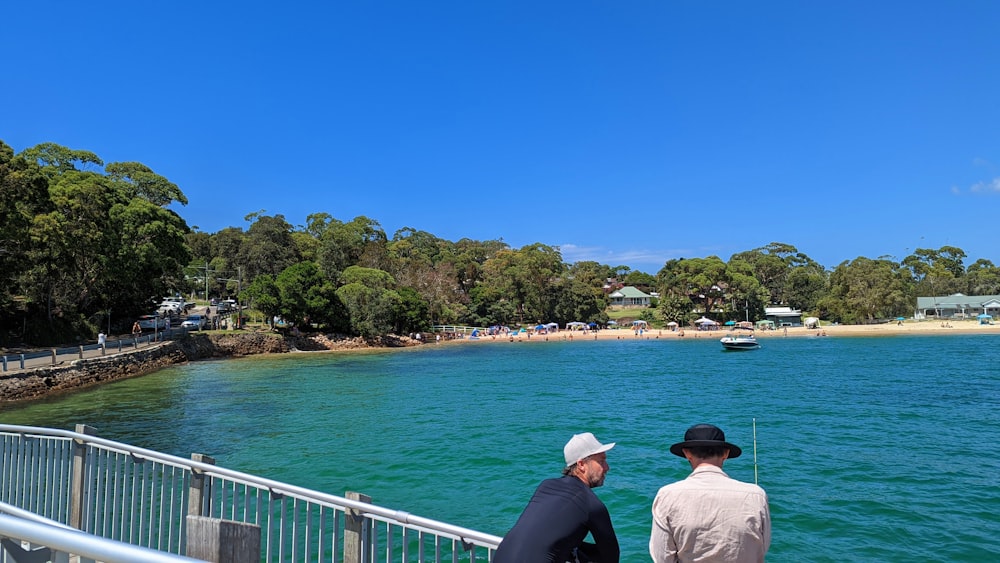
point(705, 435)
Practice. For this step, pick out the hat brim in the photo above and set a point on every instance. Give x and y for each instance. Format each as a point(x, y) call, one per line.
point(678, 448)
point(599, 450)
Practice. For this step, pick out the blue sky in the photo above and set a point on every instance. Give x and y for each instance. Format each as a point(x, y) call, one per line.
point(625, 132)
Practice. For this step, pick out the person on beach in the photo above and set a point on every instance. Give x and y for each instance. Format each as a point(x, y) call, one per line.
point(136, 329)
point(563, 510)
point(709, 517)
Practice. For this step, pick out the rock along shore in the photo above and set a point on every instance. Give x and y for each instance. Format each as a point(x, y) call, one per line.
point(79, 374)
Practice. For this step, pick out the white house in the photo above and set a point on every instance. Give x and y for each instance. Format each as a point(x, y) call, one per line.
point(958, 306)
point(629, 296)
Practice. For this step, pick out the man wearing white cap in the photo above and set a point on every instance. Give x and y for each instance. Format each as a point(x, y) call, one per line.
point(562, 511)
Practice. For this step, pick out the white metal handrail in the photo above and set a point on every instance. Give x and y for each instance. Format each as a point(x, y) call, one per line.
point(22, 526)
point(230, 494)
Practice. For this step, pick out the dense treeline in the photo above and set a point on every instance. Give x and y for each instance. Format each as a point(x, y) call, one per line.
point(86, 245)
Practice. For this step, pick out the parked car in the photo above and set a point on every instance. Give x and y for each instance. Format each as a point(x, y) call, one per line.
point(194, 322)
point(222, 307)
point(172, 308)
point(152, 322)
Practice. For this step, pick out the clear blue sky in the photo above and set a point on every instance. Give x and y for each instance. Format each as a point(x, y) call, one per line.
point(625, 132)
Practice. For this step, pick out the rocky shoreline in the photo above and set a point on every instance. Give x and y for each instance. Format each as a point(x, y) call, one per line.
point(79, 374)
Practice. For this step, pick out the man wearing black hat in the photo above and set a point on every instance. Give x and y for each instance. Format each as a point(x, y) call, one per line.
point(709, 517)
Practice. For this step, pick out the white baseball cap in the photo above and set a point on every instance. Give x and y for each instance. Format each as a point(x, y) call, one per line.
point(583, 445)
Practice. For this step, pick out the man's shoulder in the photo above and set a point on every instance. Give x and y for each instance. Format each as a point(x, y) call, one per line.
point(716, 479)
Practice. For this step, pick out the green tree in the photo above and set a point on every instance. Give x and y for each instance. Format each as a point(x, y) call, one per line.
point(138, 180)
point(576, 300)
point(23, 194)
point(268, 247)
point(641, 281)
point(370, 299)
point(983, 278)
point(359, 242)
point(55, 159)
point(306, 296)
point(869, 290)
point(524, 277)
point(701, 280)
point(411, 313)
point(937, 272)
point(263, 295)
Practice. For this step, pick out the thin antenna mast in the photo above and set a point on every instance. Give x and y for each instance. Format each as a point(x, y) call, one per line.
point(755, 451)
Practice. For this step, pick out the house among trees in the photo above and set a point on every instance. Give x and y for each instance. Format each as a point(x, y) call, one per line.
point(783, 316)
point(958, 306)
point(629, 296)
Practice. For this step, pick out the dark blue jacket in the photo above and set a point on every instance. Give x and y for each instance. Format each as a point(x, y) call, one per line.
point(556, 520)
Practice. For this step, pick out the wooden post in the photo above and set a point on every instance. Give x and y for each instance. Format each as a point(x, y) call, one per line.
point(355, 530)
point(54, 355)
point(77, 490)
point(196, 490)
point(222, 541)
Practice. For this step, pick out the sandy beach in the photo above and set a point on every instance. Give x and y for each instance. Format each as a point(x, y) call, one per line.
point(887, 329)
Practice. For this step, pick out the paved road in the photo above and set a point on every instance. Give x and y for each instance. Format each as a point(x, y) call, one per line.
point(61, 356)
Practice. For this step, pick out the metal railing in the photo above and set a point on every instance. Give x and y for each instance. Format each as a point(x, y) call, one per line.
point(58, 356)
point(26, 537)
point(143, 497)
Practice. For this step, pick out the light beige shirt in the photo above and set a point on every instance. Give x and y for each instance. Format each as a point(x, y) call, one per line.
point(710, 518)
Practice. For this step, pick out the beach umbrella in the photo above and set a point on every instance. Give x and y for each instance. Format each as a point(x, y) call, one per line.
point(671, 323)
point(900, 318)
point(705, 321)
point(592, 324)
point(540, 327)
point(730, 323)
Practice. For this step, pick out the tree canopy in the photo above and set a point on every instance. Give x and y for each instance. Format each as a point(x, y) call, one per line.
point(83, 244)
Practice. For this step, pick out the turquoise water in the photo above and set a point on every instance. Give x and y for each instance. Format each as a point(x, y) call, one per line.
point(871, 449)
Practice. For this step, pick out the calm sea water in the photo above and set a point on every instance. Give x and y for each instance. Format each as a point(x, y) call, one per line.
point(871, 449)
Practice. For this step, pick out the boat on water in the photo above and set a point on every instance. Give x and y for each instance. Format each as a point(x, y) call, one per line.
point(740, 340)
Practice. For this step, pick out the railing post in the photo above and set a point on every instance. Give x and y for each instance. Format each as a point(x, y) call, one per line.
point(196, 490)
point(5, 363)
point(77, 489)
point(54, 355)
point(22, 361)
point(81, 352)
point(222, 541)
point(355, 530)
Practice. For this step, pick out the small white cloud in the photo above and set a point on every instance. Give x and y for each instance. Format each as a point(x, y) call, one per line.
point(955, 190)
point(981, 162)
point(992, 186)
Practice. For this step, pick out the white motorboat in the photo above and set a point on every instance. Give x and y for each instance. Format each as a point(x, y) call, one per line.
point(740, 341)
